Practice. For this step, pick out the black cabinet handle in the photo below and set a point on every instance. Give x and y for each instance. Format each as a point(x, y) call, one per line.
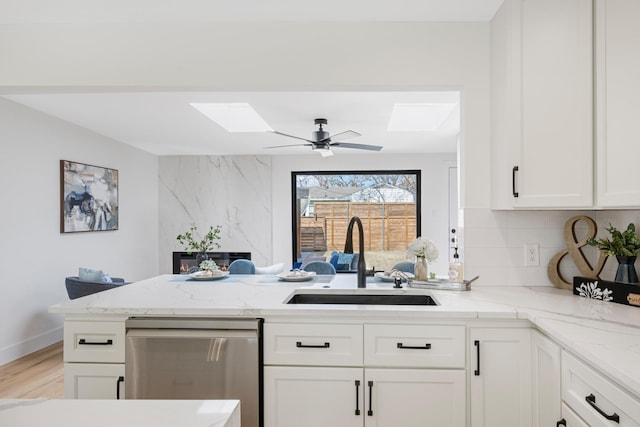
point(477, 371)
point(357, 397)
point(562, 422)
point(120, 380)
point(513, 181)
point(370, 411)
point(591, 400)
point(85, 342)
point(424, 347)
point(300, 345)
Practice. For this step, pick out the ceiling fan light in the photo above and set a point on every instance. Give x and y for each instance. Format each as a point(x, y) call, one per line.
point(326, 153)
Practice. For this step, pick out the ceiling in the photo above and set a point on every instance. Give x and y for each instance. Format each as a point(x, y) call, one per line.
point(163, 123)
point(128, 11)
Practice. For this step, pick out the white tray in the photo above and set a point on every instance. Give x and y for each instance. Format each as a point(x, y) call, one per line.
point(441, 284)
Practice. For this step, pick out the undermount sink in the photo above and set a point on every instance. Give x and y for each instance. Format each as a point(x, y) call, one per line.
point(380, 298)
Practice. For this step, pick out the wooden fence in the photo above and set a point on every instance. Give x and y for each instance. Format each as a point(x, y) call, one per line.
point(387, 226)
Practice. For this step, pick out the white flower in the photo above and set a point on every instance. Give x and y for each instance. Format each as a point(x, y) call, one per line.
point(591, 290)
point(208, 264)
point(423, 247)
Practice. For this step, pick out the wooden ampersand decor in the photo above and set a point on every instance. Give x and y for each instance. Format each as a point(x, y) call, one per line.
point(574, 249)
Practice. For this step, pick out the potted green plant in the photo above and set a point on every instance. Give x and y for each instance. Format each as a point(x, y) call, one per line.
point(201, 245)
point(625, 246)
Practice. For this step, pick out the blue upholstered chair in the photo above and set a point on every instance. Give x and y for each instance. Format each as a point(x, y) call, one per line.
point(77, 288)
point(405, 266)
point(242, 266)
point(320, 267)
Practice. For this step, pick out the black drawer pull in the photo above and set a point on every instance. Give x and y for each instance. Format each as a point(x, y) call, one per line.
point(300, 345)
point(357, 397)
point(513, 181)
point(120, 380)
point(412, 347)
point(562, 422)
point(477, 371)
point(370, 411)
point(85, 342)
point(591, 400)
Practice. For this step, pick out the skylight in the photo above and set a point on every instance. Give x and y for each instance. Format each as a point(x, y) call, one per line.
point(234, 117)
point(418, 117)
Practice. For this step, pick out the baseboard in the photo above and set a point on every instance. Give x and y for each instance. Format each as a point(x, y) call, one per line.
point(17, 350)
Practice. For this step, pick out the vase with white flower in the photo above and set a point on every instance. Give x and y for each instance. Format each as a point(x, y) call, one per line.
point(425, 252)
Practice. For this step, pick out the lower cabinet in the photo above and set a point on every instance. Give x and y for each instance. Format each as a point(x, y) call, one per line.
point(500, 377)
point(320, 397)
point(546, 360)
point(94, 380)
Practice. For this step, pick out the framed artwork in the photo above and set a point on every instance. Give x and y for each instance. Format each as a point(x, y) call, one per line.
point(89, 197)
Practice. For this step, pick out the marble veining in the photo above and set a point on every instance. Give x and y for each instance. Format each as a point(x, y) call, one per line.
point(231, 191)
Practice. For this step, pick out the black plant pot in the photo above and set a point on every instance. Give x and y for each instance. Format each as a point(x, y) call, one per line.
point(626, 269)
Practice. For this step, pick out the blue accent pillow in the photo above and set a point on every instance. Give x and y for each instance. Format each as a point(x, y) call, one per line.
point(90, 275)
point(345, 258)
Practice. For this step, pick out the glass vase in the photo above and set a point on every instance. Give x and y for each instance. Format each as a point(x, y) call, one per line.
point(201, 256)
point(420, 269)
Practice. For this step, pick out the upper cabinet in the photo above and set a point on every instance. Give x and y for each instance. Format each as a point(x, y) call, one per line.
point(617, 106)
point(542, 104)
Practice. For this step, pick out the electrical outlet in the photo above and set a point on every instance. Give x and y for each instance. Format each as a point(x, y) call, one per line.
point(531, 255)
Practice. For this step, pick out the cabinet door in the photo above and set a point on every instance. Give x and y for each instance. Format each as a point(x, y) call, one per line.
point(617, 108)
point(414, 398)
point(546, 359)
point(313, 397)
point(93, 381)
point(500, 377)
point(542, 82)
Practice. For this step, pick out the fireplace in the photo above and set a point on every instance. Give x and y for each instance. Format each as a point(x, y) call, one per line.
point(182, 261)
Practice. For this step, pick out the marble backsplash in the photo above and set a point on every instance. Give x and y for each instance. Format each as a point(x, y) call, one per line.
point(231, 191)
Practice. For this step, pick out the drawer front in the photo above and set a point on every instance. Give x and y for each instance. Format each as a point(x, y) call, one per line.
point(414, 346)
point(570, 418)
point(312, 344)
point(94, 342)
point(595, 398)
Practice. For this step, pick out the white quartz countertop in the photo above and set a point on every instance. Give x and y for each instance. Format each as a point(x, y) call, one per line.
point(121, 413)
point(605, 334)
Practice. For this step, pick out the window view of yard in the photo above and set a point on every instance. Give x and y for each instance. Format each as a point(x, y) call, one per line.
point(387, 203)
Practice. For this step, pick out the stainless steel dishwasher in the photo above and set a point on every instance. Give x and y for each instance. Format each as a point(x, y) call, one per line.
point(190, 358)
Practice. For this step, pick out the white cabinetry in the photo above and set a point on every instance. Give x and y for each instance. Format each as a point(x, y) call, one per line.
point(594, 398)
point(500, 377)
point(617, 107)
point(94, 359)
point(542, 119)
point(391, 384)
point(546, 359)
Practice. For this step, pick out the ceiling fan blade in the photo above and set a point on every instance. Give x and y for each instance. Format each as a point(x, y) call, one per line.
point(348, 134)
point(291, 136)
point(290, 145)
point(356, 146)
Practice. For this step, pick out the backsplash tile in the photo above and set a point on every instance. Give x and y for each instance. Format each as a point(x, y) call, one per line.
point(494, 243)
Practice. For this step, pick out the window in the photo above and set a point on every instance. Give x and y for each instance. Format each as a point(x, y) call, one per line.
point(387, 203)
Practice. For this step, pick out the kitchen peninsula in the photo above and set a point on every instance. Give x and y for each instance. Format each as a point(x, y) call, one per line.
point(598, 342)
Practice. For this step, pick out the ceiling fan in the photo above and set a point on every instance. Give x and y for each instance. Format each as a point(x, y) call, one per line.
point(322, 141)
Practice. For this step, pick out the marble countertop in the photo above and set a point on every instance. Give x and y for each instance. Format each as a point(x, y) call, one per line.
point(605, 334)
point(124, 413)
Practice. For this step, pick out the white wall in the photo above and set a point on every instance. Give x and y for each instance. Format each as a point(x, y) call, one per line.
point(35, 257)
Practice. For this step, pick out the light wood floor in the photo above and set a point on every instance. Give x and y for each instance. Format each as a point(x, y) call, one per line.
point(39, 374)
